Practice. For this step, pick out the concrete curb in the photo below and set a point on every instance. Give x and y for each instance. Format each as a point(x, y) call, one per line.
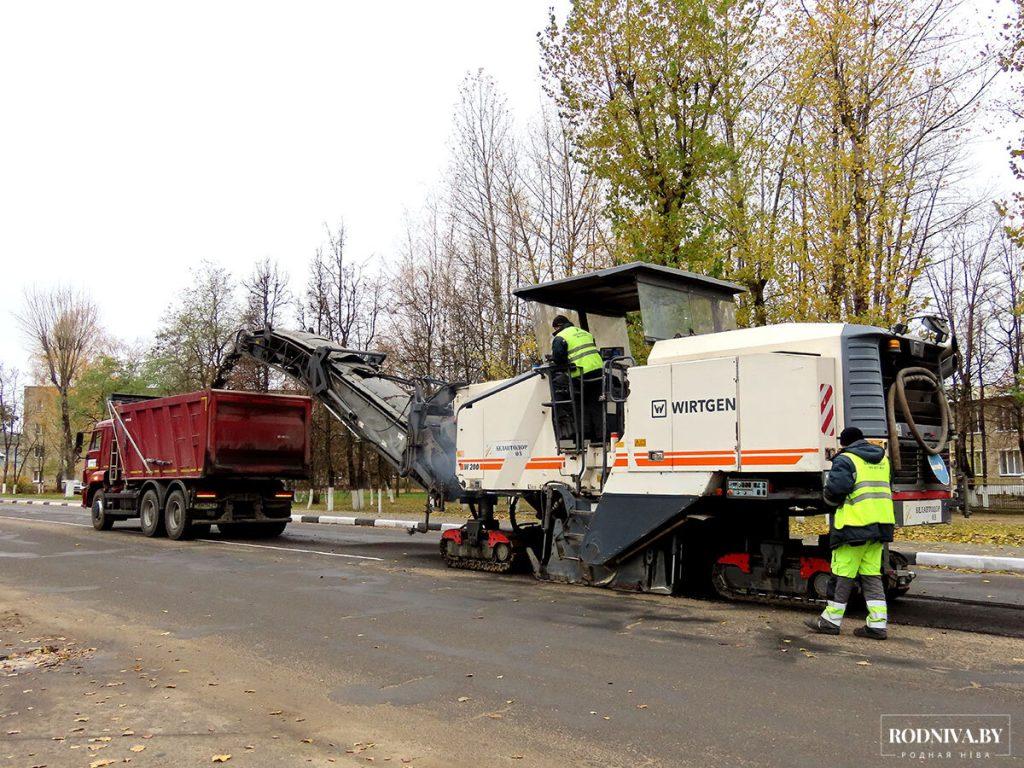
point(970, 562)
point(42, 502)
point(371, 522)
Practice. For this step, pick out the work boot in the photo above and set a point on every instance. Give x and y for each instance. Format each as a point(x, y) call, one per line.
point(821, 626)
point(871, 632)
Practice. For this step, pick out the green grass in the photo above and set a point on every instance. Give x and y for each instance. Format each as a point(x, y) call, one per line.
point(40, 496)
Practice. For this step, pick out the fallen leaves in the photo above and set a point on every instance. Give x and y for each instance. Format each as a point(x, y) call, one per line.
point(960, 531)
point(463, 699)
point(863, 663)
point(137, 748)
point(100, 763)
point(220, 758)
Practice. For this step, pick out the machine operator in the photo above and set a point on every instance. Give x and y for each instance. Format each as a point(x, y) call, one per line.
point(575, 348)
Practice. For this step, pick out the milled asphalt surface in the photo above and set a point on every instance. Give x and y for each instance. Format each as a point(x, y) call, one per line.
point(377, 634)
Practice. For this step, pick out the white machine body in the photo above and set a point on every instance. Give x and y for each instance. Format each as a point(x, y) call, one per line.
point(755, 400)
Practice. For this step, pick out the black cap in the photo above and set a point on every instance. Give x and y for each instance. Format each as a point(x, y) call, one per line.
point(850, 435)
point(560, 321)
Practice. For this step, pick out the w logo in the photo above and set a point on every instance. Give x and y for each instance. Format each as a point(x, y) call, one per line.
point(659, 409)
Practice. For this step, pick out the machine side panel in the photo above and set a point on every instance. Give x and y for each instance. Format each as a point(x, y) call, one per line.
point(648, 422)
point(779, 413)
point(507, 442)
point(704, 411)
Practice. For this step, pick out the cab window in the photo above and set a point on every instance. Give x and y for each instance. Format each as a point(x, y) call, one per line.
point(95, 441)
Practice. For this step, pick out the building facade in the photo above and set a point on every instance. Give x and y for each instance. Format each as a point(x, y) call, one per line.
point(993, 442)
point(41, 436)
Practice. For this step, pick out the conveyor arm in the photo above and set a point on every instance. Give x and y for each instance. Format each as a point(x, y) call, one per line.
point(409, 423)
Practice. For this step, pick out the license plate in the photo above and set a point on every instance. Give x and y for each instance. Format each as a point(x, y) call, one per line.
point(748, 488)
point(922, 512)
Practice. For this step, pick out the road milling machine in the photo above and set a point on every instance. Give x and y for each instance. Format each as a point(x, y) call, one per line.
point(681, 472)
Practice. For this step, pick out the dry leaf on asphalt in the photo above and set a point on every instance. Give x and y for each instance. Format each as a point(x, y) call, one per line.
point(462, 699)
point(221, 758)
point(100, 763)
point(137, 748)
point(864, 663)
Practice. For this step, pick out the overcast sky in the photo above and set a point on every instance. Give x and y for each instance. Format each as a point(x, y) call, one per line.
point(138, 138)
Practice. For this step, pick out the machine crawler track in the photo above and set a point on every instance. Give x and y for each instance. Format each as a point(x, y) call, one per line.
point(477, 563)
point(474, 548)
point(725, 590)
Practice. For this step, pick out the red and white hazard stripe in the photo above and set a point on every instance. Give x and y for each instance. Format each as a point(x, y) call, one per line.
point(828, 410)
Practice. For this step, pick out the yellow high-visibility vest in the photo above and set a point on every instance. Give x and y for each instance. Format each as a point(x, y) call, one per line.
point(870, 501)
point(584, 356)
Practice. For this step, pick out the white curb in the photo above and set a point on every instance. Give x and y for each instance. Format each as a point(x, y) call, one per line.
point(971, 562)
point(371, 522)
point(42, 502)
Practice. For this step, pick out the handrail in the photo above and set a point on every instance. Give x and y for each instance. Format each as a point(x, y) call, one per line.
point(535, 371)
point(117, 416)
point(607, 394)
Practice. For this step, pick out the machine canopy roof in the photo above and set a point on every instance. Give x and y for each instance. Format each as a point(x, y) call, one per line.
point(613, 291)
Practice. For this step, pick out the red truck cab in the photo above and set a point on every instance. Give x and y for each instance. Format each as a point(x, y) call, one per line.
point(185, 462)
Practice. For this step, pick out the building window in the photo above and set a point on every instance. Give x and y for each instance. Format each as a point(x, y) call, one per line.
point(1006, 420)
point(978, 464)
point(37, 476)
point(39, 451)
point(1009, 462)
point(979, 419)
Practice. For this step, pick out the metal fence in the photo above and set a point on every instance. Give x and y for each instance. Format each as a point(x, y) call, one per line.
point(997, 498)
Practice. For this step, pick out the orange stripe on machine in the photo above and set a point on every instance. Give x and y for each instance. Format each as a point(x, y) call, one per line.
point(486, 463)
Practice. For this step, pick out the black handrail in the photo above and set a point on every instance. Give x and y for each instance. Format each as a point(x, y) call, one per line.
point(608, 394)
point(536, 371)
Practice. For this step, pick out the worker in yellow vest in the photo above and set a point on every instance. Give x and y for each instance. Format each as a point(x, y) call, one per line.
point(575, 348)
point(859, 486)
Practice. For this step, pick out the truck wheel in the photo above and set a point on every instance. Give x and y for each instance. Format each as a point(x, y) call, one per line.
point(176, 516)
point(268, 530)
point(149, 514)
point(101, 521)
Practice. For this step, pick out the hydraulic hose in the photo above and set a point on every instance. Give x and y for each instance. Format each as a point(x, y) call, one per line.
point(897, 395)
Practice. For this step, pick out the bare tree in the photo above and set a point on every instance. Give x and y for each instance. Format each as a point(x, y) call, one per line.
point(63, 328)
point(267, 298)
point(1008, 322)
point(961, 282)
point(344, 301)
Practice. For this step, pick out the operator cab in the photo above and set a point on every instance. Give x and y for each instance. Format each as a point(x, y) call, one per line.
point(658, 302)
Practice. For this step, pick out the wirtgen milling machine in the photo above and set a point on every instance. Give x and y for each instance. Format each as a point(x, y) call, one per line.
point(686, 470)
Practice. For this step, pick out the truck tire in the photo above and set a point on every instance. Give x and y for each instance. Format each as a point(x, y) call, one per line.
point(176, 516)
point(268, 530)
point(149, 514)
point(101, 521)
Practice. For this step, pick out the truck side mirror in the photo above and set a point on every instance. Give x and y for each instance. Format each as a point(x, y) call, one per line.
point(79, 439)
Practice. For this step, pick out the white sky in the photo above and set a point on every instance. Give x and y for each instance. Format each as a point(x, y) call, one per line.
point(138, 138)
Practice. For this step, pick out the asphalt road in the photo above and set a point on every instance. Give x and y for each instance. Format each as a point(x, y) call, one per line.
point(374, 641)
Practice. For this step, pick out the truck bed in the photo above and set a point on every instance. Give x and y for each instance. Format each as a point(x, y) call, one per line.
point(215, 432)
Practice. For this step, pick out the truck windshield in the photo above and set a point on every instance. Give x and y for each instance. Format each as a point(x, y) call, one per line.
point(672, 313)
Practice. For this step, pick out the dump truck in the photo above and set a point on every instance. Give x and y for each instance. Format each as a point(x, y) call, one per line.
point(185, 462)
point(703, 455)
